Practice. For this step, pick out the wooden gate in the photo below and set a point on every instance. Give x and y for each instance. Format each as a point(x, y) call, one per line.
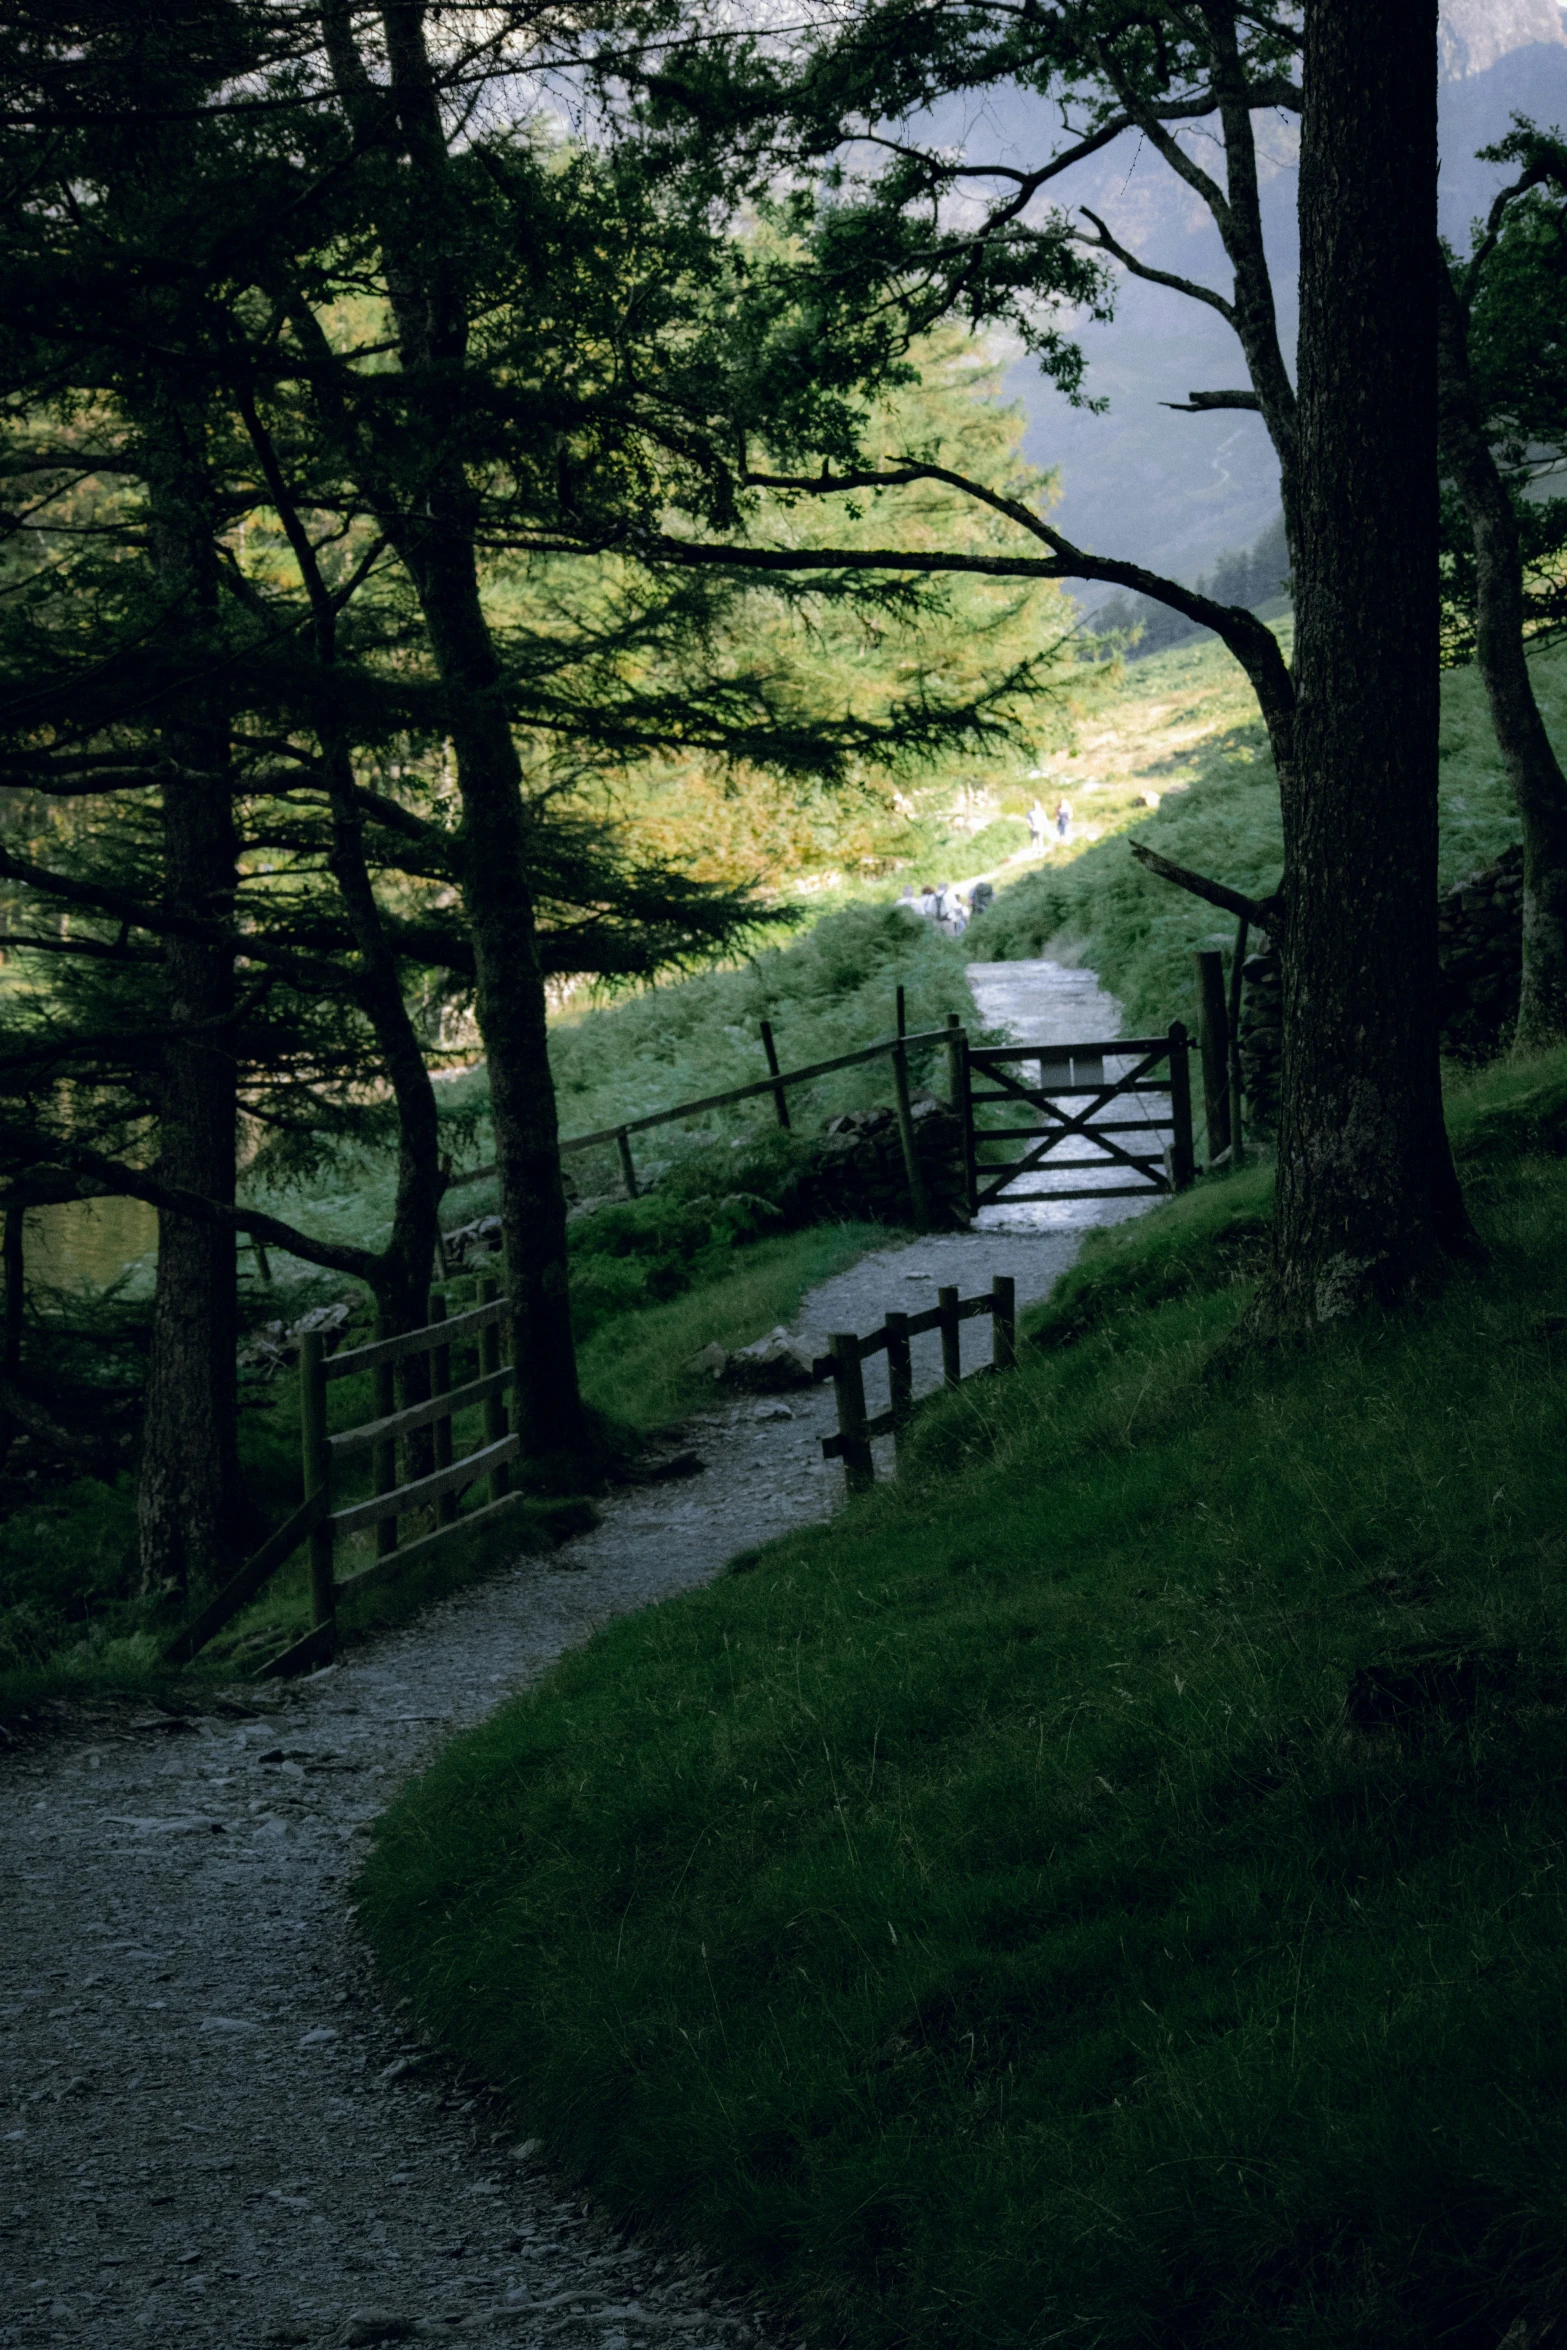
point(1072, 1102)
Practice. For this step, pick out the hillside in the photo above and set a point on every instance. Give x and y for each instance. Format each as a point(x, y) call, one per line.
point(1183, 725)
point(1106, 1886)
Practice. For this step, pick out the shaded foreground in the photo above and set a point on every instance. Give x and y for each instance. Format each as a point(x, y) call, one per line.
point(1109, 1888)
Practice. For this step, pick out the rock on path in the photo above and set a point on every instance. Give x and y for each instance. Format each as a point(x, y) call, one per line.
point(211, 2133)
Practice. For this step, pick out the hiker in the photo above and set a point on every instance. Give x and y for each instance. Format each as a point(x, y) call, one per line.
point(928, 901)
point(1063, 821)
point(1036, 826)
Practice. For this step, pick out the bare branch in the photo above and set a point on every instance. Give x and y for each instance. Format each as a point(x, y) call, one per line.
point(112, 1176)
point(1260, 913)
point(1104, 242)
point(1199, 403)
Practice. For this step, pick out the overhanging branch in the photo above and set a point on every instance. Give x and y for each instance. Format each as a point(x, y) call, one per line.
point(113, 1176)
point(1199, 403)
point(1261, 913)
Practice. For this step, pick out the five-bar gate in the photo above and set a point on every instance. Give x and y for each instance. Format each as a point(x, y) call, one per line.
point(1074, 1107)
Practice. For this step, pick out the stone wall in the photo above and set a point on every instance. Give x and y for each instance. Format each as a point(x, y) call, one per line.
point(1480, 965)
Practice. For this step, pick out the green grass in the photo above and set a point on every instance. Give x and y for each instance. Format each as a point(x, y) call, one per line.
point(634, 1370)
point(984, 1924)
point(1184, 724)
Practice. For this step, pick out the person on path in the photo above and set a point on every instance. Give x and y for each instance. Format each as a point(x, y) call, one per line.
point(1036, 826)
point(1063, 821)
point(928, 901)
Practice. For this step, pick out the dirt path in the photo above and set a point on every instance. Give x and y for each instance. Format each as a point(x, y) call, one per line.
point(210, 2131)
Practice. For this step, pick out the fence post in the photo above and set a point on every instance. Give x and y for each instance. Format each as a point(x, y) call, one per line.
point(951, 1338)
point(1183, 1165)
point(318, 1474)
point(1237, 972)
point(494, 1405)
point(919, 1198)
point(965, 1107)
point(780, 1094)
point(903, 1015)
point(440, 1384)
point(954, 1063)
point(848, 1379)
point(628, 1171)
point(1213, 1034)
point(900, 1375)
point(1003, 1323)
point(385, 1457)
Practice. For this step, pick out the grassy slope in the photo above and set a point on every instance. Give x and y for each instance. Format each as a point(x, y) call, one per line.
point(979, 1920)
point(1184, 724)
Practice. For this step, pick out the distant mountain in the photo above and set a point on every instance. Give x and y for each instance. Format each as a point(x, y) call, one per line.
point(1175, 491)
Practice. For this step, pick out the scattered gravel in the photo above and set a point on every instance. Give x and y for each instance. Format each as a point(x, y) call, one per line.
point(211, 2131)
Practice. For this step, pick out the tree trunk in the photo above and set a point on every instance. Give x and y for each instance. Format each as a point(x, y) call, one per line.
point(1533, 769)
point(1368, 1201)
point(423, 233)
point(189, 1499)
point(498, 897)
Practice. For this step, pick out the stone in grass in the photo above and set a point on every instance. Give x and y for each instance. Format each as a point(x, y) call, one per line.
point(710, 1359)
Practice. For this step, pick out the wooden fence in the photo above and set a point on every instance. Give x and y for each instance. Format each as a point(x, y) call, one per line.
point(847, 1354)
point(317, 1523)
point(896, 1048)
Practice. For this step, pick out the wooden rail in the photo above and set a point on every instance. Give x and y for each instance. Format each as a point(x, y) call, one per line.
point(847, 1354)
point(951, 1036)
point(317, 1523)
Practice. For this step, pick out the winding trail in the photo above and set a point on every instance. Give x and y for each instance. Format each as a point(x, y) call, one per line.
point(211, 2132)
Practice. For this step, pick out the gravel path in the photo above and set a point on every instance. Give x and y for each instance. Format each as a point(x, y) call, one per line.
point(211, 2132)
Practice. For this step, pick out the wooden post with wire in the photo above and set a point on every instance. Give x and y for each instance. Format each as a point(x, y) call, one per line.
point(919, 1198)
point(628, 1168)
point(1183, 1158)
point(1213, 1037)
point(954, 1060)
point(780, 1094)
